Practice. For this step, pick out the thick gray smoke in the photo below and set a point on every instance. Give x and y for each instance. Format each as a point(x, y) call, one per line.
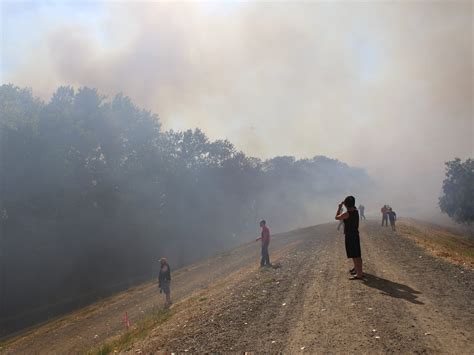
point(94, 189)
point(386, 86)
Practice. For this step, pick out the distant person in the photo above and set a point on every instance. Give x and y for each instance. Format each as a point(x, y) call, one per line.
point(361, 211)
point(164, 280)
point(265, 238)
point(384, 211)
point(351, 232)
point(392, 216)
point(340, 224)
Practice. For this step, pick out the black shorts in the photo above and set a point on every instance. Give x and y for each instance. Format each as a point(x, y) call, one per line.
point(353, 246)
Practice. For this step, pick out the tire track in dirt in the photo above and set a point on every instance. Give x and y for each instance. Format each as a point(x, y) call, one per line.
point(432, 298)
point(389, 312)
point(323, 325)
point(284, 306)
point(386, 303)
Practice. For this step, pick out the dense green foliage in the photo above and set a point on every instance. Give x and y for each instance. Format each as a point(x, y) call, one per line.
point(458, 191)
point(93, 192)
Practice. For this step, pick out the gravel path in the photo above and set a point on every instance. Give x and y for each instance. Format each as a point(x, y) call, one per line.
point(409, 302)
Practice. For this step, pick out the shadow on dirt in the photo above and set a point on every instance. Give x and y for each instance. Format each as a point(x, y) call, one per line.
point(392, 289)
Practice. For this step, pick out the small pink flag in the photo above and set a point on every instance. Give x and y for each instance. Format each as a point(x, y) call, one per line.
point(126, 321)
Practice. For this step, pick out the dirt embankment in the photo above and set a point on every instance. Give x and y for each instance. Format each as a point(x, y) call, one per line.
point(94, 325)
point(410, 301)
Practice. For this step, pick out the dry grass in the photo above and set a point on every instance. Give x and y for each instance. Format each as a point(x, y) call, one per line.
point(137, 332)
point(454, 247)
point(50, 326)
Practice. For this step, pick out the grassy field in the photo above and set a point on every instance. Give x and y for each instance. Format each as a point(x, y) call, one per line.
point(442, 242)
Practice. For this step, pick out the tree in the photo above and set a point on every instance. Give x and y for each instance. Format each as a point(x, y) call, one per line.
point(458, 188)
point(93, 191)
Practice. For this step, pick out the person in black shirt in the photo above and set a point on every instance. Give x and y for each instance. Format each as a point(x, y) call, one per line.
point(164, 280)
point(392, 216)
point(351, 232)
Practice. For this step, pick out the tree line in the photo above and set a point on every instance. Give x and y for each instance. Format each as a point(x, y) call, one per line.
point(93, 192)
point(457, 200)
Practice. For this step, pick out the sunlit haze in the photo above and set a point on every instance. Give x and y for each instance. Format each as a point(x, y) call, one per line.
point(383, 86)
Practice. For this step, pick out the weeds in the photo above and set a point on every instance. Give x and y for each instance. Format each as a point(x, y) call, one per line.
point(453, 247)
point(139, 331)
point(104, 350)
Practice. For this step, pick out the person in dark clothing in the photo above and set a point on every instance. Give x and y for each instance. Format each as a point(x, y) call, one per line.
point(361, 211)
point(392, 216)
point(351, 232)
point(265, 238)
point(384, 211)
point(164, 280)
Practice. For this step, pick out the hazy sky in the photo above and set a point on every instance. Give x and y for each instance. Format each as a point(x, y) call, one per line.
point(382, 85)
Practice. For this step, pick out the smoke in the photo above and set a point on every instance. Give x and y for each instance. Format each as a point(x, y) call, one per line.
point(385, 86)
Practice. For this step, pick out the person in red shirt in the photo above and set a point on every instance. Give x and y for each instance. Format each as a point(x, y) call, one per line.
point(265, 238)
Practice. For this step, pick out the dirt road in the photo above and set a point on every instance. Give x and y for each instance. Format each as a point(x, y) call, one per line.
point(409, 302)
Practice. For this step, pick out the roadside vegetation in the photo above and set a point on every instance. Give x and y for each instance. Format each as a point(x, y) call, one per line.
point(442, 242)
point(136, 332)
